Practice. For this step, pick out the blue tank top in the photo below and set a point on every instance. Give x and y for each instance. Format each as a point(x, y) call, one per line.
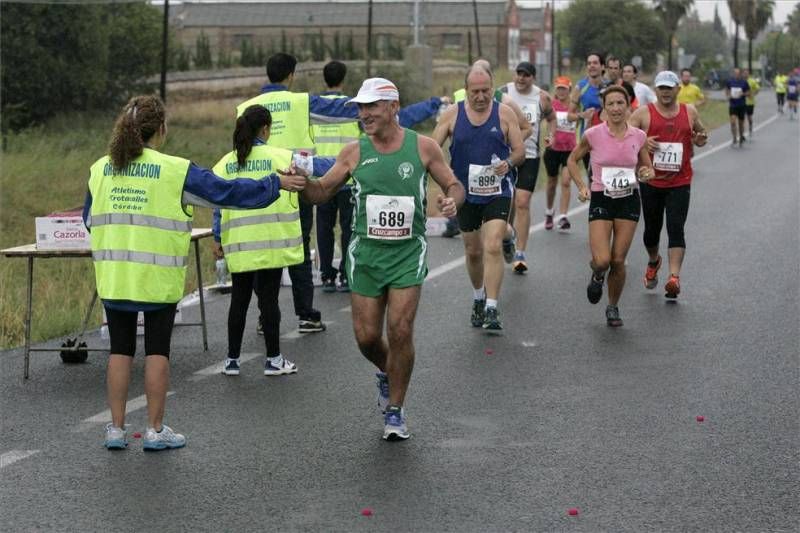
point(590, 98)
point(474, 145)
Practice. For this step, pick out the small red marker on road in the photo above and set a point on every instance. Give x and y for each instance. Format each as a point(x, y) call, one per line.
point(366, 512)
point(701, 418)
point(489, 351)
point(137, 435)
point(573, 512)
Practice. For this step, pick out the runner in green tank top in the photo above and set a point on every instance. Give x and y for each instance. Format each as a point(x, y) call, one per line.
point(386, 257)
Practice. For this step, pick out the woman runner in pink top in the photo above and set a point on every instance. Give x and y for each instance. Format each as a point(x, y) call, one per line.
point(618, 156)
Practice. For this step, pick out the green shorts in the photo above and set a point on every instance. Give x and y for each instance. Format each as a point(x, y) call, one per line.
point(374, 266)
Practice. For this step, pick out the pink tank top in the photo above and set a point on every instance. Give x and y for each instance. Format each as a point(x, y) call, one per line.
point(608, 151)
point(564, 140)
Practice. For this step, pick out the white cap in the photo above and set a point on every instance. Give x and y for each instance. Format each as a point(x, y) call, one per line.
point(374, 89)
point(666, 78)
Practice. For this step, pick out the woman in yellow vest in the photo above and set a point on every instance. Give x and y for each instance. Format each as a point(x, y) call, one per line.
point(138, 211)
point(257, 244)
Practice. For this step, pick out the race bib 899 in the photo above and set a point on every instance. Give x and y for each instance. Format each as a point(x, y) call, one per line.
point(483, 181)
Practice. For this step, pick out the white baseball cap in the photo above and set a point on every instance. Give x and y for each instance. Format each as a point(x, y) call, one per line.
point(666, 78)
point(374, 89)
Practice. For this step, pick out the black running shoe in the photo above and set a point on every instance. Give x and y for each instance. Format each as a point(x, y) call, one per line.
point(328, 285)
point(491, 322)
point(612, 316)
point(477, 313)
point(594, 291)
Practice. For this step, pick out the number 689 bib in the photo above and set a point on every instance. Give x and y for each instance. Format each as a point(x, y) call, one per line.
point(389, 217)
point(618, 181)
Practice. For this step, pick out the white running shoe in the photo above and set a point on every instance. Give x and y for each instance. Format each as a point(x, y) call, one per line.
point(116, 438)
point(278, 366)
point(162, 440)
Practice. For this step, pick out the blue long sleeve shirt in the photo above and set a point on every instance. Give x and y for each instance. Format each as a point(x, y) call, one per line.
point(205, 189)
point(326, 110)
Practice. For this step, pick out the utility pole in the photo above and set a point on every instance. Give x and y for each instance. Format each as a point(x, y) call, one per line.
point(552, 42)
point(369, 40)
point(164, 52)
point(477, 27)
point(416, 22)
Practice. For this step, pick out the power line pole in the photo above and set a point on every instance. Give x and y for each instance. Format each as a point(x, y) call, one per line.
point(477, 27)
point(164, 50)
point(369, 40)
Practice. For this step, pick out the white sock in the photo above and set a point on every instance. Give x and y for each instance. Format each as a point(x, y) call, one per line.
point(562, 215)
point(479, 294)
point(277, 360)
point(491, 303)
point(549, 212)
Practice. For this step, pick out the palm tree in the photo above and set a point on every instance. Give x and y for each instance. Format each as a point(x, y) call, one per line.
point(738, 9)
point(758, 15)
point(671, 13)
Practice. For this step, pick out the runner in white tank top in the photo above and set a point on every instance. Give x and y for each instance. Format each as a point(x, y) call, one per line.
point(536, 106)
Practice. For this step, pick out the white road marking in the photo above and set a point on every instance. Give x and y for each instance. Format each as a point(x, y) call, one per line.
point(529, 344)
point(9, 458)
point(132, 405)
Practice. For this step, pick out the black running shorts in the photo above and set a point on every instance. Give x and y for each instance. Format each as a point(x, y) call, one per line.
point(737, 112)
point(157, 331)
point(472, 216)
point(527, 174)
point(554, 161)
point(602, 207)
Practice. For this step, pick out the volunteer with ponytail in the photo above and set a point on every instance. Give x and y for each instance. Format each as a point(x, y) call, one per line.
point(257, 244)
point(138, 211)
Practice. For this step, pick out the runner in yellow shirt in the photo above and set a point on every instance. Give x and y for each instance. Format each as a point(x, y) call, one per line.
point(780, 89)
point(750, 100)
point(689, 92)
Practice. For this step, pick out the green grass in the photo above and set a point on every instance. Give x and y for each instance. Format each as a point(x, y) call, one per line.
point(45, 169)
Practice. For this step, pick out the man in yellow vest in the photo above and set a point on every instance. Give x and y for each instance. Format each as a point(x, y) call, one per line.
point(292, 116)
point(329, 139)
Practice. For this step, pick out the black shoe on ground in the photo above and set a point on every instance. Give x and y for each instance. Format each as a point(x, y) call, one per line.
point(491, 322)
point(328, 285)
point(477, 313)
point(594, 291)
point(612, 316)
point(344, 285)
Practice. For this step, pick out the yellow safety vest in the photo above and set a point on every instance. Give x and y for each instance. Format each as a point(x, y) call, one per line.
point(140, 230)
point(270, 237)
point(290, 119)
point(329, 139)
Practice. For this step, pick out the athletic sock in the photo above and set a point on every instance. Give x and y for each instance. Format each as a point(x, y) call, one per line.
point(549, 212)
point(491, 303)
point(479, 294)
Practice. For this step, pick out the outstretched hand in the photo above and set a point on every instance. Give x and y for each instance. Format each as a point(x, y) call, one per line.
point(291, 180)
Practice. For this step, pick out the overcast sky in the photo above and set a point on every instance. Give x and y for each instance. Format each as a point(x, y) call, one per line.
point(705, 8)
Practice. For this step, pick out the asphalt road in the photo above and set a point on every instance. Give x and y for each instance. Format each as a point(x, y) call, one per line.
point(563, 413)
